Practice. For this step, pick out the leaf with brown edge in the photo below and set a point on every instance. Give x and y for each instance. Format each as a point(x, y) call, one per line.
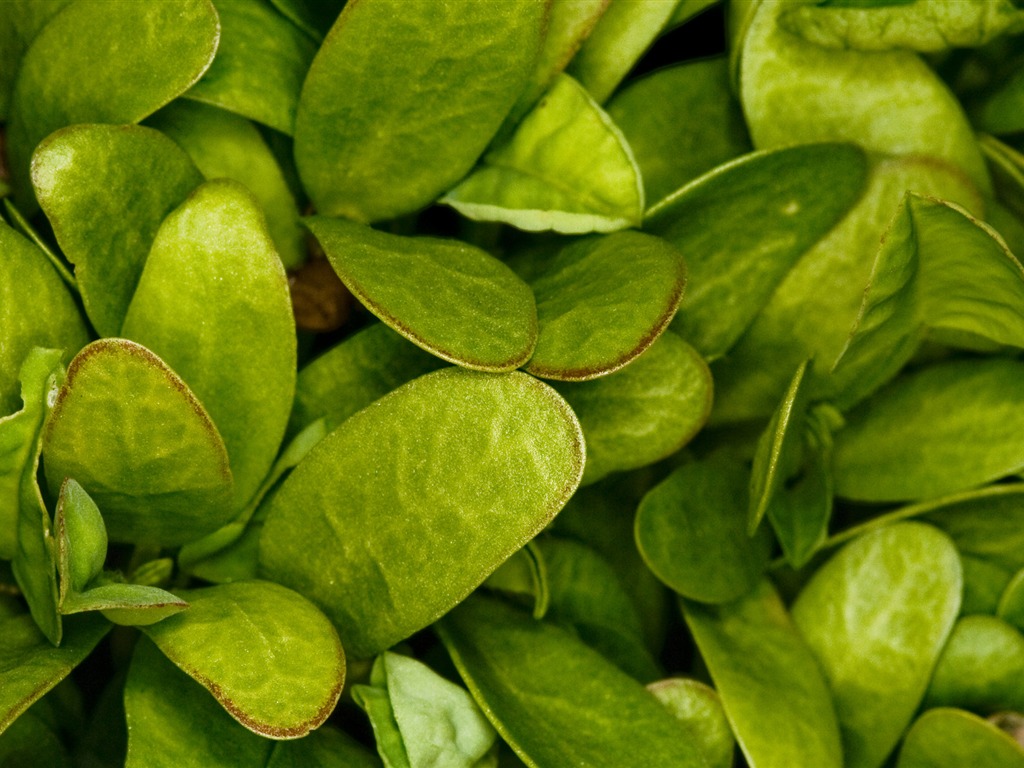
point(271, 659)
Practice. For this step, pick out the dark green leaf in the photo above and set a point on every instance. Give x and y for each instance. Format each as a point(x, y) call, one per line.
point(325, 747)
point(31, 741)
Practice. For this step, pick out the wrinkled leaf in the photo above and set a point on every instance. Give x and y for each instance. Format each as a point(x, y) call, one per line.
point(952, 738)
point(699, 707)
point(152, 461)
point(402, 99)
point(270, 658)
point(450, 298)
point(566, 168)
point(876, 617)
point(530, 678)
point(105, 190)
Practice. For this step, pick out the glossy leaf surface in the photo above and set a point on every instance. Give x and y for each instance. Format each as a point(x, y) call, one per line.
point(62, 81)
point(602, 302)
point(691, 531)
point(876, 617)
point(403, 98)
point(248, 643)
point(699, 707)
point(450, 298)
point(153, 461)
point(555, 701)
point(771, 688)
point(950, 738)
point(644, 412)
point(567, 168)
point(213, 303)
point(105, 190)
point(505, 453)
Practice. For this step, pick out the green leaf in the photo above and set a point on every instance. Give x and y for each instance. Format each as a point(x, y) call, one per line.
point(62, 81)
point(21, 23)
point(173, 724)
point(735, 267)
point(385, 545)
point(984, 583)
point(213, 302)
point(420, 719)
point(680, 121)
point(350, 376)
point(226, 146)
point(450, 298)
point(105, 190)
point(699, 708)
point(261, 62)
point(644, 412)
point(30, 666)
point(314, 17)
point(951, 738)
point(524, 574)
point(566, 168)
point(325, 747)
point(914, 26)
point(248, 641)
point(403, 98)
point(1011, 603)
point(981, 668)
point(34, 559)
point(81, 539)
point(618, 41)
point(691, 532)
point(154, 462)
point(36, 310)
point(998, 110)
point(773, 692)
point(945, 428)
point(132, 605)
point(554, 700)
point(876, 617)
point(938, 268)
point(30, 741)
point(603, 301)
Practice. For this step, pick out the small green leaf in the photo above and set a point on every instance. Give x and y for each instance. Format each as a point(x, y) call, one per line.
point(105, 190)
point(386, 545)
point(81, 540)
point(876, 617)
point(420, 719)
point(691, 532)
point(213, 302)
point(952, 738)
point(250, 641)
point(153, 461)
point(981, 668)
point(261, 62)
point(402, 99)
point(644, 412)
point(603, 301)
point(553, 699)
point(62, 81)
point(699, 708)
point(132, 605)
point(944, 428)
point(566, 168)
point(1011, 603)
point(450, 298)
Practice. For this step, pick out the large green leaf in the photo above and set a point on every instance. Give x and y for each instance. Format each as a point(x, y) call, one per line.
point(105, 190)
point(62, 80)
point(773, 692)
point(261, 62)
point(131, 432)
point(691, 531)
point(36, 310)
point(644, 412)
point(699, 708)
point(387, 530)
point(567, 168)
point(952, 738)
point(30, 666)
point(213, 302)
point(876, 617)
point(734, 267)
point(402, 99)
point(248, 643)
point(601, 302)
point(226, 146)
point(945, 428)
point(451, 298)
point(554, 700)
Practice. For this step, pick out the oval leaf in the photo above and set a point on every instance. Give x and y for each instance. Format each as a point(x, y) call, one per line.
point(267, 655)
point(952, 738)
point(135, 437)
point(450, 298)
point(81, 539)
point(504, 455)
